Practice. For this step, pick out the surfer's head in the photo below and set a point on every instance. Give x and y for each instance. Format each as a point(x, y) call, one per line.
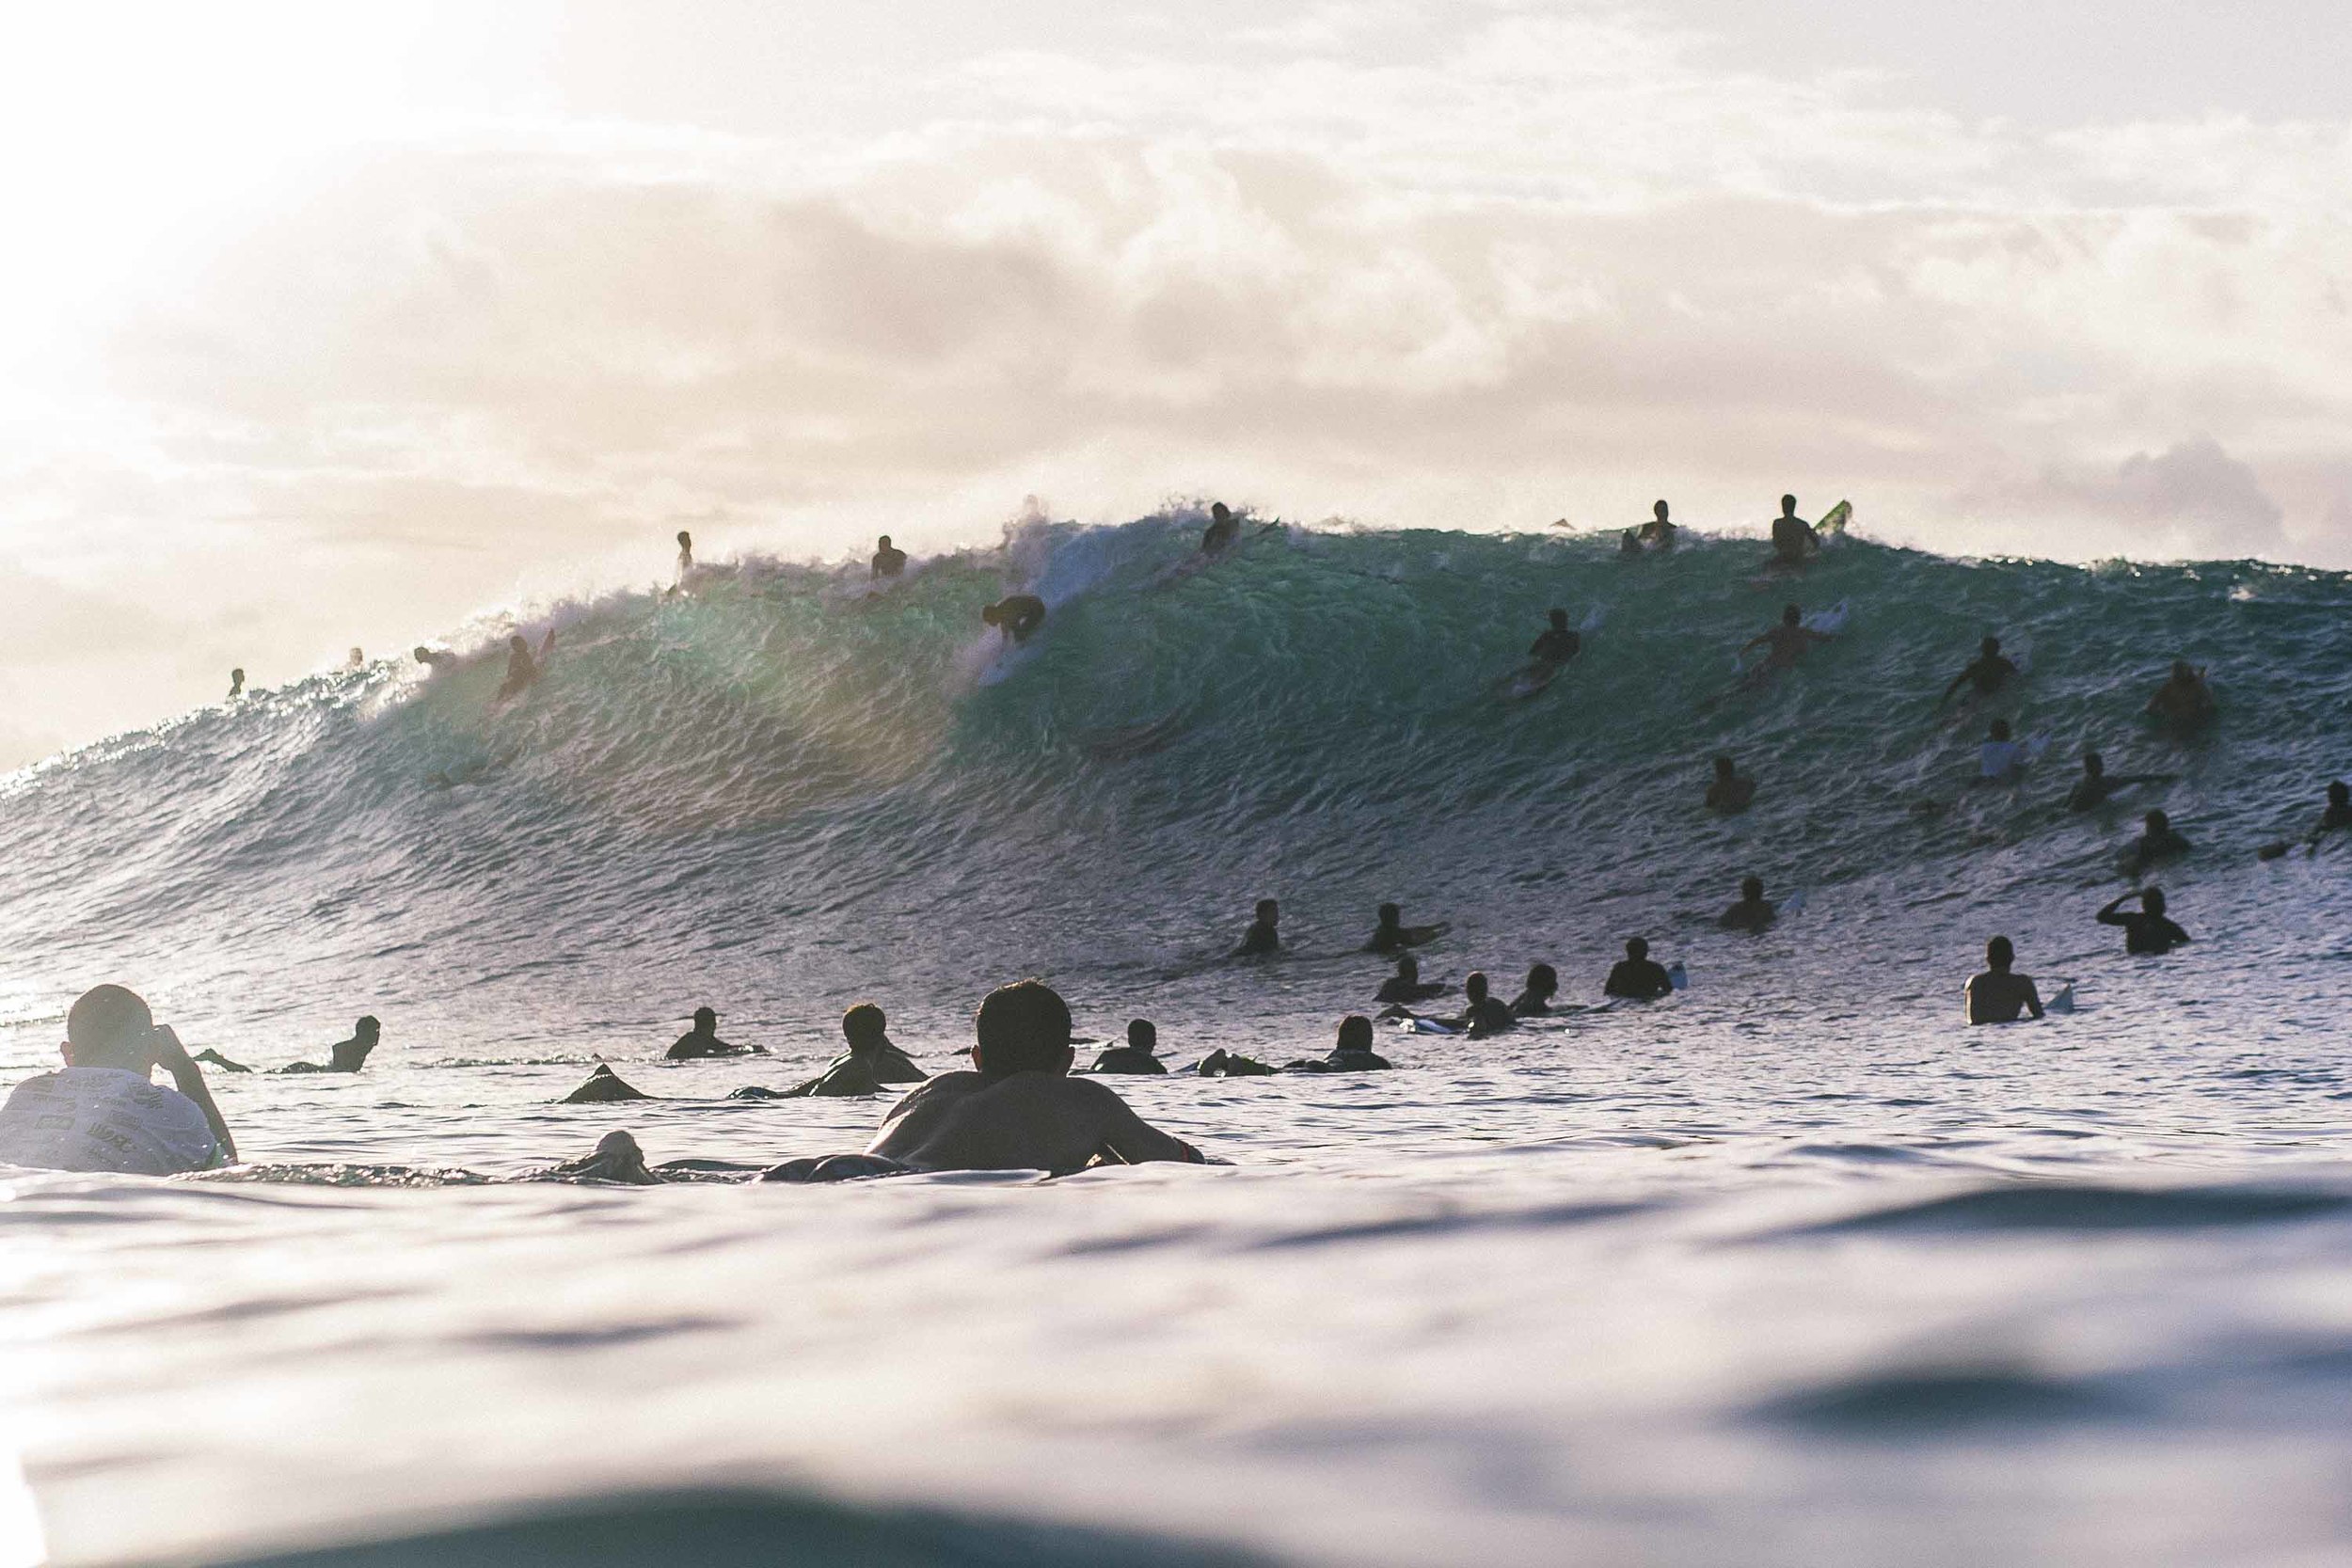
point(1269, 910)
point(883, 543)
point(2184, 671)
point(706, 1021)
point(1218, 510)
point(2093, 763)
point(2157, 822)
point(1143, 1034)
point(1726, 767)
point(863, 1026)
point(2000, 729)
point(1355, 1032)
point(1390, 914)
point(1475, 987)
point(1751, 889)
point(1636, 948)
point(1559, 620)
point(1408, 968)
point(1989, 647)
point(1790, 614)
point(685, 540)
point(1659, 510)
point(2152, 899)
point(518, 643)
point(1543, 980)
point(1788, 506)
point(990, 614)
point(1999, 954)
point(1023, 1027)
point(366, 1029)
point(110, 1026)
point(2340, 794)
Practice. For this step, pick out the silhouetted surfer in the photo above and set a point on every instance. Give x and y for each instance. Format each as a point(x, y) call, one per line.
point(348, 1055)
point(1988, 673)
point(889, 561)
point(2183, 700)
point(1543, 984)
point(703, 1040)
point(1406, 985)
point(1352, 1054)
point(1638, 977)
point(236, 685)
point(522, 671)
point(1557, 645)
point(2337, 815)
point(1754, 913)
point(1658, 533)
point(1393, 936)
point(1224, 527)
point(1017, 615)
point(1997, 996)
point(1730, 791)
point(434, 659)
point(1783, 644)
point(1140, 1055)
point(1483, 1012)
point(685, 557)
point(1264, 935)
point(1018, 1110)
point(2157, 840)
point(2097, 784)
point(1222, 1063)
point(871, 1062)
point(1794, 539)
point(2145, 929)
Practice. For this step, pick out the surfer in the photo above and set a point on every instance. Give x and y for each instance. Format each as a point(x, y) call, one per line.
point(2339, 812)
point(1988, 673)
point(1997, 996)
point(1483, 1012)
point(1406, 985)
point(1794, 539)
point(1543, 984)
point(2000, 759)
point(1557, 645)
point(434, 659)
point(236, 685)
point(2157, 840)
point(1783, 645)
point(1140, 1054)
point(1629, 545)
point(522, 671)
point(703, 1040)
point(1264, 935)
point(1352, 1054)
point(2097, 784)
point(1222, 1063)
point(685, 557)
point(1730, 791)
point(1658, 533)
point(1754, 913)
point(1017, 615)
point(102, 1112)
point(1393, 936)
point(870, 1063)
point(889, 561)
point(345, 1055)
point(1638, 977)
point(2183, 700)
point(2145, 929)
point(1018, 1109)
point(1224, 527)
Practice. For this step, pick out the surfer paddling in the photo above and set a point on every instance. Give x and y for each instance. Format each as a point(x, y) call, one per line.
point(1783, 644)
point(1017, 615)
point(1393, 936)
point(2184, 702)
point(1988, 673)
point(2097, 784)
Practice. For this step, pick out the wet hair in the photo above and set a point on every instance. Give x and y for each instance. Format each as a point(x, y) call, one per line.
point(684, 537)
point(2157, 822)
point(1219, 511)
point(1142, 1034)
point(2000, 729)
point(1408, 967)
point(1752, 887)
point(1268, 909)
point(2152, 899)
point(1790, 614)
point(237, 674)
point(706, 1014)
point(367, 1025)
point(883, 542)
point(1559, 618)
point(1475, 987)
point(2182, 669)
point(1390, 914)
point(1787, 503)
point(2000, 952)
point(1543, 979)
point(1659, 509)
point(863, 1022)
point(1023, 1027)
point(2095, 763)
point(1726, 767)
point(419, 651)
point(109, 1027)
point(518, 641)
point(1355, 1032)
point(2339, 793)
point(1636, 947)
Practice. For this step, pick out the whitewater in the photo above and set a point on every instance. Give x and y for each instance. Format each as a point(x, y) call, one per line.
point(1791, 1268)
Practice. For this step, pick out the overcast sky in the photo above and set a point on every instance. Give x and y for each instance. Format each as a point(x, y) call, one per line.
point(325, 324)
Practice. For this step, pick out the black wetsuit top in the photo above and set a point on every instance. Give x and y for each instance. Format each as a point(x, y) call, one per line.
point(1261, 938)
point(2144, 932)
point(889, 563)
point(1556, 646)
point(1747, 916)
point(1128, 1058)
point(1989, 675)
point(1487, 1016)
point(1638, 980)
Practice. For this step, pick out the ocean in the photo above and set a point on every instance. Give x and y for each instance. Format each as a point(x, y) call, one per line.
point(1792, 1268)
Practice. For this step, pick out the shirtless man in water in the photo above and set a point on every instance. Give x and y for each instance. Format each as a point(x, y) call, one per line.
point(1783, 644)
point(1019, 1109)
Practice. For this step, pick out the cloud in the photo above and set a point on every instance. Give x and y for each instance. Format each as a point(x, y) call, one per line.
point(2192, 501)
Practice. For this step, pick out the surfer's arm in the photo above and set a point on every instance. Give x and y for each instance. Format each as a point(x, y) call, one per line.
point(1761, 639)
point(189, 1079)
point(1958, 681)
point(1135, 1140)
point(2108, 915)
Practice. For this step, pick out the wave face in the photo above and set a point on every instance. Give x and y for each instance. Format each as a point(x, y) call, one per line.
point(775, 783)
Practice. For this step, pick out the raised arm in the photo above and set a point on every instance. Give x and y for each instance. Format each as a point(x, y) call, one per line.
point(189, 1079)
point(2109, 917)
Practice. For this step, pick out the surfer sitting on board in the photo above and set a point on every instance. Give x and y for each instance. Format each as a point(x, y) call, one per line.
point(889, 561)
point(1997, 996)
point(1658, 533)
point(2156, 842)
point(1224, 527)
point(1794, 539)
point(2145, 929)
point(2183, 701)
point(1393, 936)
point(1783, 644)
point(1018, 1109)
point(2097, 784)
point(1406, 985)
point(1017, 615)
point(1988, 673)
point(1265, 934)
point(1557, 645)
point(1730, 790)
point(1638, 977)
point(1534, 999)
point(1754, 913)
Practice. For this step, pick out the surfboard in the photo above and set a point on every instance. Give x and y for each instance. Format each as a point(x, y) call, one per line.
point(1527, 682)
point(1830, 621)
point(1834, 521)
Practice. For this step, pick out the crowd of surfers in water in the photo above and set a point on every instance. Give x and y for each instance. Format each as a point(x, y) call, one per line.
point(1025, 1103)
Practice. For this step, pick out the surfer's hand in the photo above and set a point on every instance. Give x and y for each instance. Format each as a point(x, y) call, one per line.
point(169, 1053)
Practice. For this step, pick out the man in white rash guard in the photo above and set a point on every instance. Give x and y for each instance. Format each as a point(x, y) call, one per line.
point(100, 1112)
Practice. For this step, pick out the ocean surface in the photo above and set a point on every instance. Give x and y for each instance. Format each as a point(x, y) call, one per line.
point(1791, 1269)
